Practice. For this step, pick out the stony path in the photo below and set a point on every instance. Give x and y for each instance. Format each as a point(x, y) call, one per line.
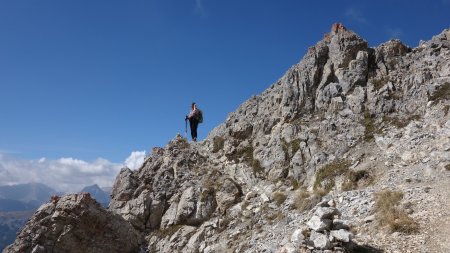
point(439, 230)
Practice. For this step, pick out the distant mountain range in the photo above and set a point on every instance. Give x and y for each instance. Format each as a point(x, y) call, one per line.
point(24, 197)
point(19, 202)
point(98, 194)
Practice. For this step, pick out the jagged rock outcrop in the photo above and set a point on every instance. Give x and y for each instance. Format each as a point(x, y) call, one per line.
point(301, 167)
point(76, 223)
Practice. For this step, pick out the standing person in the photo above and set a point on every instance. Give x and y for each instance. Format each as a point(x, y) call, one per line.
point(193, 120)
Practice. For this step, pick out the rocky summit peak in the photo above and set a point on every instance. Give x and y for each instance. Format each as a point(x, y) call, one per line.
point(346, 152)
point(337, 27)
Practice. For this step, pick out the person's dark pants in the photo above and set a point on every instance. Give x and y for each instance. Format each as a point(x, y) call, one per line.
point(193, 123)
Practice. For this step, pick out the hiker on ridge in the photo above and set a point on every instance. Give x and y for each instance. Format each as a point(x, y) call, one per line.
point(194, 118)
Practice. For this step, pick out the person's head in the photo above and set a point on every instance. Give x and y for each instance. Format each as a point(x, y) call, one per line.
point(193, 106)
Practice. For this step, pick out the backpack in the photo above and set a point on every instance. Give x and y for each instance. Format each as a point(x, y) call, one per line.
point(200, 116)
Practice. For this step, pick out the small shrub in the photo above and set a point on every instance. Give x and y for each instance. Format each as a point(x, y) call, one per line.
point(325, 177)
point(403, 223)
point(290, 148)
point(441, 93)
point(244, 204)
point(182, 143)
point(167, 232)
point(257, 168)
point(218, 143)
point(285, 148)
point(295, 145)
point(399, 123)
point(304, 201)
point(370, 128)
point(207, 193)
point(246, 154)
point(294, 183)
point(389, 213)
point(279, 197)
point(379, 83)
point(352, 178)
point(446, 109)
point(395, 95)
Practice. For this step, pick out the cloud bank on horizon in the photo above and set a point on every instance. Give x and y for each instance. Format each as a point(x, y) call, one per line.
point(65, 174)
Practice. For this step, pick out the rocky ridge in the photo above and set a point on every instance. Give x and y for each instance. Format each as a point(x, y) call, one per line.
point(348, 151)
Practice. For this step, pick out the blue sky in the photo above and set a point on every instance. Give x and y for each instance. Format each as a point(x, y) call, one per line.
point(87, 79)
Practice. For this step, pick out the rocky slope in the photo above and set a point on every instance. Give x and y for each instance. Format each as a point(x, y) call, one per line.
point(348, 151)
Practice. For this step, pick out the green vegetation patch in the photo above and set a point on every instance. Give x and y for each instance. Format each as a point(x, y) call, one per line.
point(218, 143)
point(325, 176)
point(379, 83)
point(352, 178)
point(294, 183)
point(246, 155)
point(370, 128)
point(290, 148)
point(398, 122)
point(167, 232)
point(441, 93)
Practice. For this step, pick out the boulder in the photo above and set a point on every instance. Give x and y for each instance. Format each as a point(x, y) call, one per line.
point(320, 241)
point(326, 212)
point(341, 235)
point(76, 223)
point(319, 225)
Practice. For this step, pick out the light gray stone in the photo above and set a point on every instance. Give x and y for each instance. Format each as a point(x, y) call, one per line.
point(326, 212)
point(320, 241)
point(298, 237)
point(319, 225)
point(341, 235)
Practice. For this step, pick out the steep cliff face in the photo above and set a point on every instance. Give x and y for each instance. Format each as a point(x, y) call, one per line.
point(349, 146)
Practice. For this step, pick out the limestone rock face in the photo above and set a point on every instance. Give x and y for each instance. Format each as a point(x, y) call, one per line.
point(295, 168)
point(76, 223)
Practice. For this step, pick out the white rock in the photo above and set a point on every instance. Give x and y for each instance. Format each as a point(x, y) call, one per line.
point(326, 212)
point(316, 224)
point(250, 195)
point(320, 241)
point(341, 235)
point(298, 237)
point(369, 218)
point(265, 198)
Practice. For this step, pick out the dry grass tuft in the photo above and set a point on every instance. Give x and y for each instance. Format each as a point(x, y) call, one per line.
point(352, 178)
point(389, 213)
point(441, 93)
point(218, 143)
point(379, 83)
point(304, 201)
point(279, 197)
point(398, 122)
point(447, 167)
point(325, 176)
point(370, 129)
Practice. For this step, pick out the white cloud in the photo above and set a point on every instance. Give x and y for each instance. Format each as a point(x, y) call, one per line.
point(135, 160)
point(356, 15)
point(65, 174)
